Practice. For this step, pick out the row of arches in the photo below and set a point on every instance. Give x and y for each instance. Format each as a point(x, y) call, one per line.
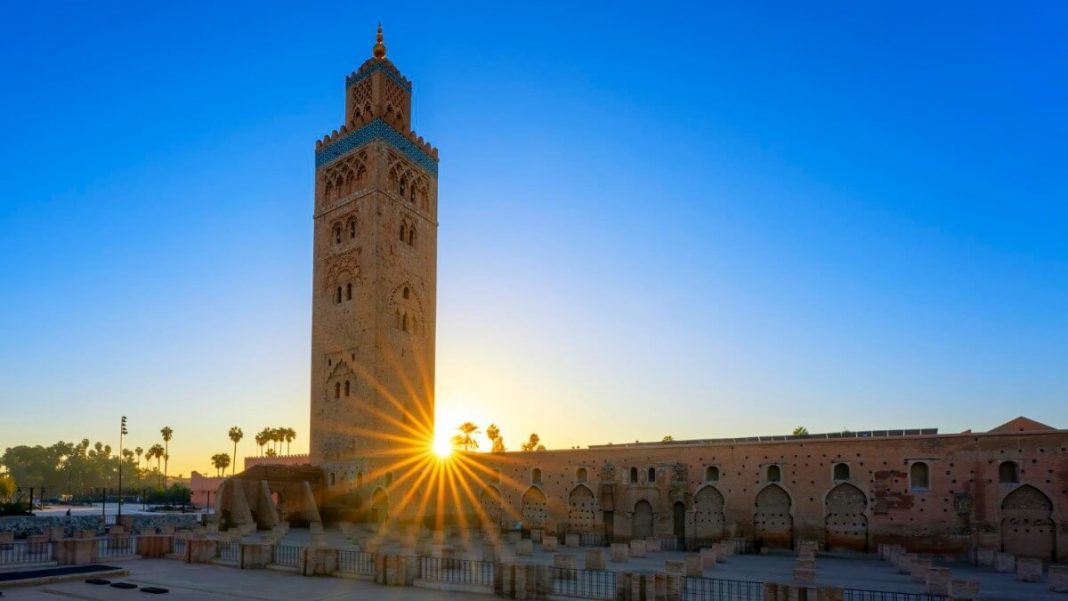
point(346, 231)
point(1027, 526)
point(345, 176)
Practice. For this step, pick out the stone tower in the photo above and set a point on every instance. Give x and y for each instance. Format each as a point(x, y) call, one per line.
point(375, 278)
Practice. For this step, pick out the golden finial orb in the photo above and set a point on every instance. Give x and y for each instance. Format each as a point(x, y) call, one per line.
point(379, 50)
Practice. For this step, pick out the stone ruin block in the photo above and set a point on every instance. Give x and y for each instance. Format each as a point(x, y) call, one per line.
point(637, 548)
point(57, 533)
point(1058, 578)
point(1004, 562)
point(675, 566)
point(904, 564)
point(594, 559)
point(919, 568)
point(514, 536)
point(652, 544)
point(694, 565)
point(803, 575)
point(806, 549)
point(536, 535)
point(963, 590)
point(938, 581)
point(572, 539)
point(984, 556)
point(708, 558)
point(566, 562)
point(524, 547)
point(1028, 569)
point(620, 552)
point(550, 544)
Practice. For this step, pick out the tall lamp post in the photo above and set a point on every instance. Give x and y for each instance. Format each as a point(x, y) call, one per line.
point(122, 433)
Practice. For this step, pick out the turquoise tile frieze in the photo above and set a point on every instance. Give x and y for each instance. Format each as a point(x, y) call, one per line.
point(376, 130)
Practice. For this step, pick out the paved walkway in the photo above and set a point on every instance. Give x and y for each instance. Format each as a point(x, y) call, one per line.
point(189, 582)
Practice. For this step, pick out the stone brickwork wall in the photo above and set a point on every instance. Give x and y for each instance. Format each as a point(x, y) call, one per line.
point(24, 526)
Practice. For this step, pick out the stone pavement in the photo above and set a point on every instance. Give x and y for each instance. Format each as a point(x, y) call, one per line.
point(189, 582)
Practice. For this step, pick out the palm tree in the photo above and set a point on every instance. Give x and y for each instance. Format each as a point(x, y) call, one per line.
point(289, 434)
point(800, 431)
point(167, 432)
point(262, 438)
point(155, 452)
point(465, 438)
point(236, 435)
point(139, 452)
point(532, 443)
point(493, 433)
point(272, 453)
point(221, 461)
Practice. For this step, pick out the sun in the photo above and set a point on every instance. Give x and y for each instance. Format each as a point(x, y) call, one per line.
point(442, 446)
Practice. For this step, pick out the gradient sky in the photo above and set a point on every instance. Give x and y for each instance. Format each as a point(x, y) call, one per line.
point(707, 220)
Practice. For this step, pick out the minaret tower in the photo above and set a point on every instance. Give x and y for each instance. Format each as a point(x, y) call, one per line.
point(375, 277)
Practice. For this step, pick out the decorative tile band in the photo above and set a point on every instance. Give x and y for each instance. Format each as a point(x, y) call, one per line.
point(351, 80)
point(376, 130)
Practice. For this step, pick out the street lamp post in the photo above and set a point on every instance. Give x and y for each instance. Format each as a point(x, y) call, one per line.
point(122, 433)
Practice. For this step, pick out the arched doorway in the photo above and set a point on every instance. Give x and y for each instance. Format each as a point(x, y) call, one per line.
point(708, 521)
point(844, 520)
point(379, 506)
point(581, 509)
point(678, 524)
point(1027, 524)
point(490, 506)
point(642, 525)
point(534, 508)
point(772, 520)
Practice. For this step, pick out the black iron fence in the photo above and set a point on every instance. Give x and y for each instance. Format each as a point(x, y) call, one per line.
point(286, 556)
point(855, 594)
point(356, 562)
point(456, 571)
point(583, 584)
point(592, 539)
point(717, 589)
point(24, 552)
point(230, 551)
point(120, 545)
point(178, 546)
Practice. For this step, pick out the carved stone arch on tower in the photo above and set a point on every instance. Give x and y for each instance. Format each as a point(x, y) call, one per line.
point(1027, 527)
point(534, 508)
point(708, 514)
point(405, 303)
point(581, 509)
point(773, 520)
point(845, 518)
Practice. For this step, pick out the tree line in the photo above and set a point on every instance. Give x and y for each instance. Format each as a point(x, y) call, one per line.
point(464, 439)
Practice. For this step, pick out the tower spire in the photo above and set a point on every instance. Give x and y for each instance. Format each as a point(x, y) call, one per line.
point(379, 50)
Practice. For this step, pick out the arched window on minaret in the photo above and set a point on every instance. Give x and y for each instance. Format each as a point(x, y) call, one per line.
point(411, 236)
point(402, 231)
point(346, 388)
point(352, 228)
point(337, 233)
point(404, 322)
point(337, 390)
point(348, 291)
point(398, 321)
point(337, 295)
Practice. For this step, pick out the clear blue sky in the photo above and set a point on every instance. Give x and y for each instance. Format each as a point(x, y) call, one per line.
point(707, 220)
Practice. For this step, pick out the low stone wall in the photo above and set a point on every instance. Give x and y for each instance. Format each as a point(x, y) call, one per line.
point(24, 526)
